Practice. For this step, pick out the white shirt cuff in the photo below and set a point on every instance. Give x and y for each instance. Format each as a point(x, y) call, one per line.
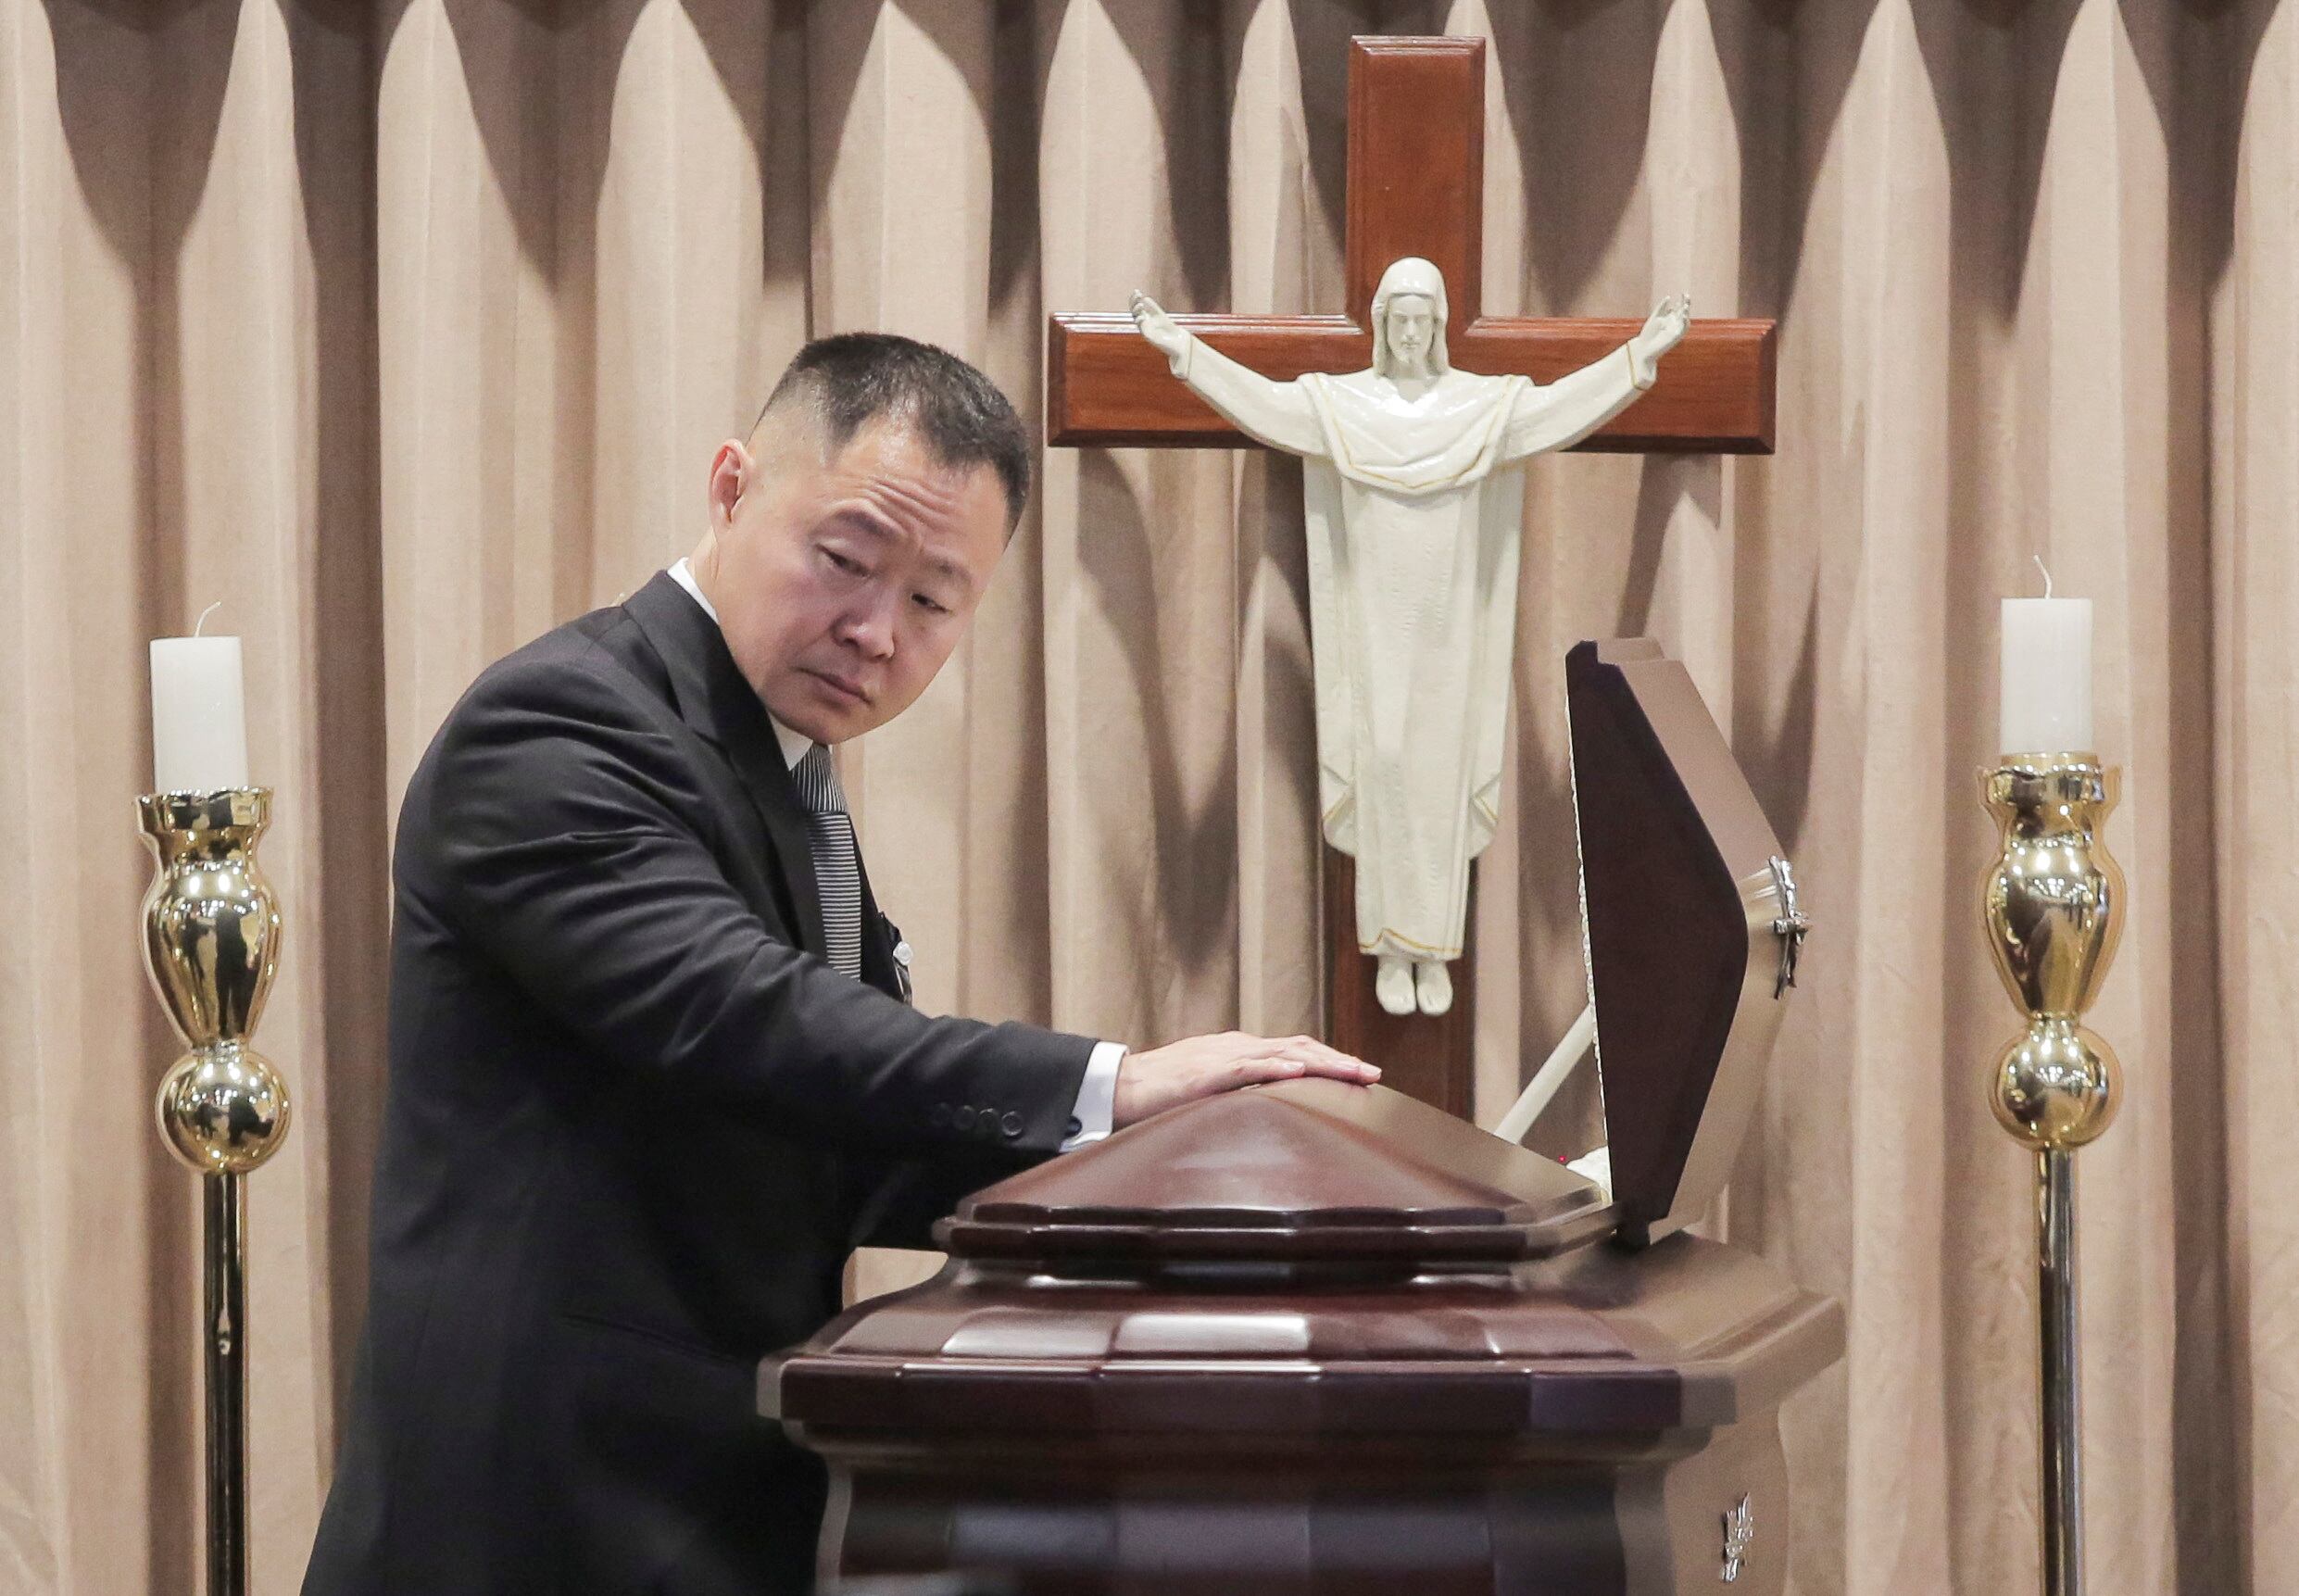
point(1096, 1096)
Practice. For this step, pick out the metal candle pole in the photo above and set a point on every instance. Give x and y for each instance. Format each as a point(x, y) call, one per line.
point(2052, 903)
point(211, 941)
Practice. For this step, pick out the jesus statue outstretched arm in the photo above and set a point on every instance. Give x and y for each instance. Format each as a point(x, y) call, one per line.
point(1283, 416)
point(1561, 413)
point(1277, 414)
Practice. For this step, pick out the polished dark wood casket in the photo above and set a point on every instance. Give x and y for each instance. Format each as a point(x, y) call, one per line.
point(1315, 1338)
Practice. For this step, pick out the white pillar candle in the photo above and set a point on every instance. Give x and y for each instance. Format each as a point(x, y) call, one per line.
point(2047, 690)
point(200, 720)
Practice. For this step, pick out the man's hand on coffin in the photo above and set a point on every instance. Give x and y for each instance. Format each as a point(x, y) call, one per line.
point(1182, 1072)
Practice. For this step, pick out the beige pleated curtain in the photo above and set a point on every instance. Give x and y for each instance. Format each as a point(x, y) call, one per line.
point(406, 333)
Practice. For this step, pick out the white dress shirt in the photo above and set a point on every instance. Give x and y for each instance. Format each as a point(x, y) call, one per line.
point(1097, 1094)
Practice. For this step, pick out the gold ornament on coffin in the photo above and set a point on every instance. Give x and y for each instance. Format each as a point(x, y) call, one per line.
point(211, 942)
point(2051, 903)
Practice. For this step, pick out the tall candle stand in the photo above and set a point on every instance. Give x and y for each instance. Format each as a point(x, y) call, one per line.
point(2052, 903)
point(211, 942)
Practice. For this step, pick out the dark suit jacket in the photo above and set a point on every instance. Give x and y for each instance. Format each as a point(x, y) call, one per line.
point(636, 1125)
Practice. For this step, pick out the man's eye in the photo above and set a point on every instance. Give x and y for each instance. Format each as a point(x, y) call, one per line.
point(927, 602)
point(845, 562)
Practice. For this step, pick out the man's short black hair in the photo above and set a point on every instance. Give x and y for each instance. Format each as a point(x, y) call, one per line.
point(850, 378)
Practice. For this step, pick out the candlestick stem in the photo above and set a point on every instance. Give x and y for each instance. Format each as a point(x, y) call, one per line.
point(223, 1292)
point(2061, 1382)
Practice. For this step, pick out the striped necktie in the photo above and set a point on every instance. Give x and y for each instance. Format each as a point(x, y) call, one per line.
point(838, 874)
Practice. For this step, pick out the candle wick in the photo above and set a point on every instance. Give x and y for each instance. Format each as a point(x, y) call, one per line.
point(2047, 573)
point(201, 623)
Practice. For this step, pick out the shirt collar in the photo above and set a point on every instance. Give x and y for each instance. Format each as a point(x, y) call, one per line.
point(794, 746)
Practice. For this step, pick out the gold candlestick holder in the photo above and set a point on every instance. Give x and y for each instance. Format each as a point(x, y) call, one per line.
point(211, 942)
point(2051, 903)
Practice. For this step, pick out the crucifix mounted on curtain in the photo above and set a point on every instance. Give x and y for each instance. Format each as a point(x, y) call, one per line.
point(1405, 410)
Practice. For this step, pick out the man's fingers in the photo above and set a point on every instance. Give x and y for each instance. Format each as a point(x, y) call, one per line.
point(1203, 1066)
point(1315, 1058)
point(1339, 1067)
point(1259, 1067)
point(1325, 1056)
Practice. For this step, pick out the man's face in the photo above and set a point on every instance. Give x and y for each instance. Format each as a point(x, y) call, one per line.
point(842, 584)
point(1412, 324)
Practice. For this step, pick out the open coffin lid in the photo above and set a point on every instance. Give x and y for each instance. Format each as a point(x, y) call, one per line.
point(1689, 912)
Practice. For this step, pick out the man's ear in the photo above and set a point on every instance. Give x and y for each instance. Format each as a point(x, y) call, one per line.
point(731, 472)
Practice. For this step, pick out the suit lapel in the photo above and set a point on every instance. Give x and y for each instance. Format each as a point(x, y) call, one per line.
point(718, 704)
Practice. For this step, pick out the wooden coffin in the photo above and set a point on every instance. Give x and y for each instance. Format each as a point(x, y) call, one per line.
point(1310, 1338)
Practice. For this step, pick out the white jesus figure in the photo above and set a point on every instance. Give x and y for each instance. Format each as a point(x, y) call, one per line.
point(1413, 570)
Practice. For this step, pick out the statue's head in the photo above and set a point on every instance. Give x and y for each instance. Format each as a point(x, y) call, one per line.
point(1409, 320)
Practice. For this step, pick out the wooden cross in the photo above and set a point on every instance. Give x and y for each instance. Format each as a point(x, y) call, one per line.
point(1416, 166)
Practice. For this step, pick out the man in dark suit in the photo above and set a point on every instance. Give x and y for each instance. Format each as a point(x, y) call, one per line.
point(653, 1072)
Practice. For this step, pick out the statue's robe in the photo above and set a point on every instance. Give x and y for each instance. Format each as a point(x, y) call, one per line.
point(1412, 572)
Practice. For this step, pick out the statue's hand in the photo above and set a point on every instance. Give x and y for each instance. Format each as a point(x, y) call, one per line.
point(1661, 333)
point(1163, 333)
point(1665, 327)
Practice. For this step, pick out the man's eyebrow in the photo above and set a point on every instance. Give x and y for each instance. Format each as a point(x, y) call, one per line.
point(862, 517)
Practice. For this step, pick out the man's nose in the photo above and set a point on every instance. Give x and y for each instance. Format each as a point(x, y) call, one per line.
point(868, 627)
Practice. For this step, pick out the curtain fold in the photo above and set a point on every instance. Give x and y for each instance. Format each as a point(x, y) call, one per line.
point(408, 332)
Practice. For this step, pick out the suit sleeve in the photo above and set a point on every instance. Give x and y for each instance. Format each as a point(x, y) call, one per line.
point(562, 836)
point(896, 1203)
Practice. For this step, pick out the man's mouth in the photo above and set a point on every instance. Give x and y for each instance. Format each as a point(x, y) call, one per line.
point(842, 687)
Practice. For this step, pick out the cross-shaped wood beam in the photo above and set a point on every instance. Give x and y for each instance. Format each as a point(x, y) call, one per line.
point(1416, 183)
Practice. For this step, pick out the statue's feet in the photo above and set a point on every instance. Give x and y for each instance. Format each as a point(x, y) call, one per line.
point(1393, 985)
point(1432, 984)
